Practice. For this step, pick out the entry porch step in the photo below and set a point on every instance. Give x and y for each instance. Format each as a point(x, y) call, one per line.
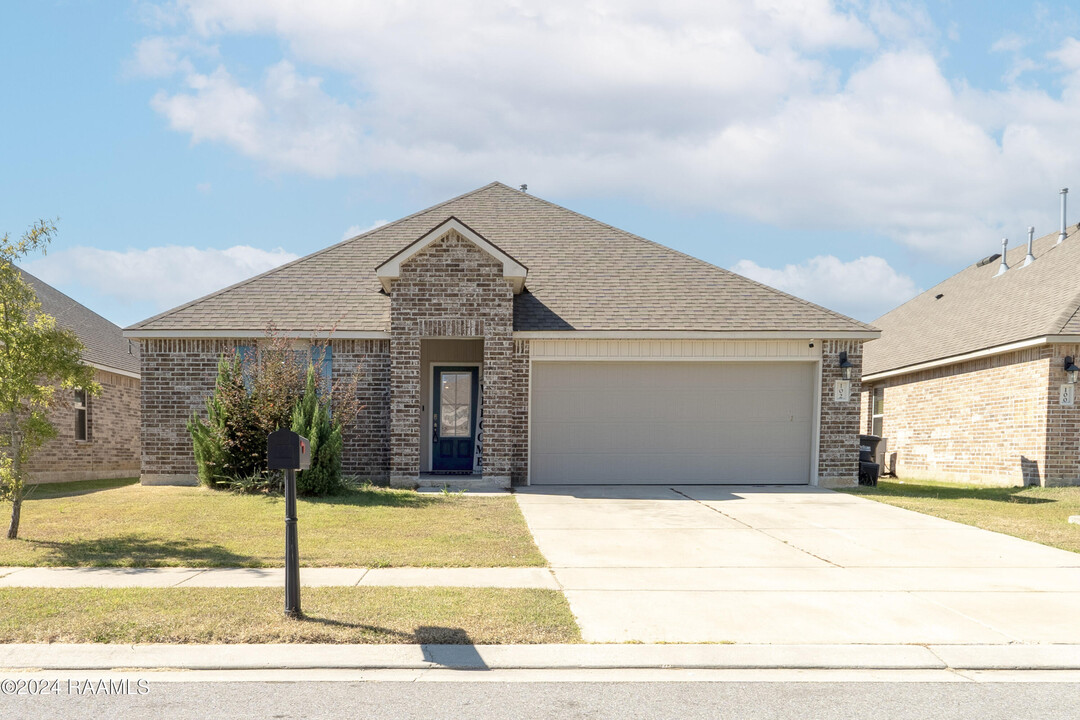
point(474, 482)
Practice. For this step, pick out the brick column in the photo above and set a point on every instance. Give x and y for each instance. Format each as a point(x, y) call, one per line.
point(838, 446)
point(404, 405)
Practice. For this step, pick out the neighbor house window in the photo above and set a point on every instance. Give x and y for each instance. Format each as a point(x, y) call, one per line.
point(877, 412)
point(80, 413)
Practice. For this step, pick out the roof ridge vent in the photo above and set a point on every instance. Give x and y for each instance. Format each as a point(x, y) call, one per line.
point(1031, 239)
point(1004, 266)
point(1064, 195)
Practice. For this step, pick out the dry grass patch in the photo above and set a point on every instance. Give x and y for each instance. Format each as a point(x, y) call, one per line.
point(478, 616)
point(1032, 513)
point(121, 523)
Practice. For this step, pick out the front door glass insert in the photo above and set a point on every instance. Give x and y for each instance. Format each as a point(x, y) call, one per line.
point(455, 404)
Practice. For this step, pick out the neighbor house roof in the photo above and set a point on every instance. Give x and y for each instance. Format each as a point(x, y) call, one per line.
point(582, 275)
point(976, 310)
point(104, 342)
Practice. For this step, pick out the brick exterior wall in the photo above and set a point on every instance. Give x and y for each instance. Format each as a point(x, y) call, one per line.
point(451, 289)
point(1062, 464)
point(179, 374)
point(366, 445)
point(838, 443)
point(112, 447)
point(177, 377)
point(995, 420)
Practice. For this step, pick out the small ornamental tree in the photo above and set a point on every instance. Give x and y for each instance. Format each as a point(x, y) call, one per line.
point(311, 418)
point(228, 422)
point(36, 357)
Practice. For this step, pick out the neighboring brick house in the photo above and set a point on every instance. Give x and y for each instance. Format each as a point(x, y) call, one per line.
point(98, 435)
point(968, 380)
point(505, 339)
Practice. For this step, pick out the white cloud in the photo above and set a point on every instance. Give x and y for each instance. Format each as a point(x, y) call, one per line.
point(864, 288)
point(354, 230)
point(1009, 42)
point(1068, 55)
point(157, 278)
point(289, 121)
point(731, 107)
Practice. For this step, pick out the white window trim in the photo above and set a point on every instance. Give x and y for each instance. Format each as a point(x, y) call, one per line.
point(875, 417)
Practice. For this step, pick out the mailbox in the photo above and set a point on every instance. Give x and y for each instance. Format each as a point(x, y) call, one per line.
point(285, 450)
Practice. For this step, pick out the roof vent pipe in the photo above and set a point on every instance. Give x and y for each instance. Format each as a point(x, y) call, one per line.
point(1031, 239)
point(1064, 194)
point(1004, 265)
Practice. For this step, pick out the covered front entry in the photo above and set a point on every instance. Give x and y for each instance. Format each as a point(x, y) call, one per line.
point(672, 422)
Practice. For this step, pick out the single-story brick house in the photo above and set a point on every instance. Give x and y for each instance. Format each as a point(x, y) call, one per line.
point(511, 340)
point(968, 381)
point(97, 435)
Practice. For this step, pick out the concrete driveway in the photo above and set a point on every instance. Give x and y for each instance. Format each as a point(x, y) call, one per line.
point(793, 565)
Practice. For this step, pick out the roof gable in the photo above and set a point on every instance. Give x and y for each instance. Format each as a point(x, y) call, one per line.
point(390, 270)
point(583, 275)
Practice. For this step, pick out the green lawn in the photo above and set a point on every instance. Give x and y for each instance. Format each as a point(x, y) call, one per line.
point(254, 615)
point(121, 523)
point(1031, 513)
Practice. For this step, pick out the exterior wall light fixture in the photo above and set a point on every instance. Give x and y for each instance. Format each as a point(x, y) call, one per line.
point(1071, 370)
point(845, 364)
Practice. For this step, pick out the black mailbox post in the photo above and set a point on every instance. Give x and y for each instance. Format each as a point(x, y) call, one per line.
point(285, 450)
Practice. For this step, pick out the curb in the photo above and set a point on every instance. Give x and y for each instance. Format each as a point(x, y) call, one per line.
point(539, 657)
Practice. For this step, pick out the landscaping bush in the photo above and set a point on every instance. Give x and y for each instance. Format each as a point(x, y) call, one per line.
point(269, 386)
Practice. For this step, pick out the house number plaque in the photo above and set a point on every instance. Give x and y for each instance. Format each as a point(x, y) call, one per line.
point(1068, 394)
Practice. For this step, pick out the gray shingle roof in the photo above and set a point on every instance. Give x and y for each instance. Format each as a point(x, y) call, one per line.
point(978, 311)
point(583, 275)
point(104, 342)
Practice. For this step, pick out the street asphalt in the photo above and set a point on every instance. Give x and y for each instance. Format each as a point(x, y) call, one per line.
point(565, 701)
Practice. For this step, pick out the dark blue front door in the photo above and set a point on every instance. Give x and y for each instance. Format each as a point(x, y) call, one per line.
point(453, 416)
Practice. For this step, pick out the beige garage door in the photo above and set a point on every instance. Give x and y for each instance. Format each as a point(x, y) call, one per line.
point(673, 422)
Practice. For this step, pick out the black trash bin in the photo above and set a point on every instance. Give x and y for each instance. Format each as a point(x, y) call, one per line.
point(869, 471)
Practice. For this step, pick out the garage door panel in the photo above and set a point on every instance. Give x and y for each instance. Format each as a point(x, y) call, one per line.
point(678, 422)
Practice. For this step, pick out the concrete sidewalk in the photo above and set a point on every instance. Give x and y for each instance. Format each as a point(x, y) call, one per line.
point(538, 657)
point(70, 577)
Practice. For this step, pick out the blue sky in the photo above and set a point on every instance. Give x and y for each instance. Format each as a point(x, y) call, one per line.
point(849, 152)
